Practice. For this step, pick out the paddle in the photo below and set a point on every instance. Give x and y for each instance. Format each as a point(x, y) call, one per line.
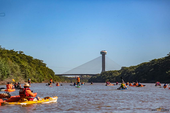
point(13, 80)
point(122, 80)
point(2, 89)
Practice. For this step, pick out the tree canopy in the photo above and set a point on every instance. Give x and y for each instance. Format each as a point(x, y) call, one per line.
point(20, 66)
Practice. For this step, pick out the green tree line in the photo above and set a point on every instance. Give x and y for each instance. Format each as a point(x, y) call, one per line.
point(152, 71)
point(16, 65)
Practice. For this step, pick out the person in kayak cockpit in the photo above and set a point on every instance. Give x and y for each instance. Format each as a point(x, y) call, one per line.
point(27, 93)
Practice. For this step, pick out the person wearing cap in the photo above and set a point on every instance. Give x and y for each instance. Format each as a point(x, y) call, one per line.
point(27, 93)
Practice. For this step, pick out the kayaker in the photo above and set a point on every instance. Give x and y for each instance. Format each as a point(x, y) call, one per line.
point(130, 84)
point(123, 86)
point(165, 85)
point(51, 80)
point(9, 85)
point(27, 93)
point(19, 85)
point(15, 85)
point(78, 80)
point(116, 83)
point(29, 81)
point(139, 84)
point(57, 84)
point(158, 84)
point(91, 82)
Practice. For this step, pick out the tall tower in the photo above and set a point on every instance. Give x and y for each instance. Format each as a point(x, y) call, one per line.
point(103, 59)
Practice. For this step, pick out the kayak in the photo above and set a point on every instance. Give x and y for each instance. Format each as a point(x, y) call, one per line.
point(140, 86)
point(24, 101)
point(77, 86)
point(5, 95)
point(166, 86)
point(122, 88)
point(109, 84)
point(9, 90)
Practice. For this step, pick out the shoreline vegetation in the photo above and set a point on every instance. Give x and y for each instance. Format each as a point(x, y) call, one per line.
point(20, 67)
point(146, 72)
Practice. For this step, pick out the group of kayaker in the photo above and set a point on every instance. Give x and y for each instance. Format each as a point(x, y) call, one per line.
point(51, 81)
point(78, 83)
point(25, 92)
point(159, 84)
point(136, 84)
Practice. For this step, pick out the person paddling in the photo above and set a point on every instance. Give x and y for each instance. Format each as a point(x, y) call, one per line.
point(29, 81)
point(18, 85)
point(9, 85)
point(51, 81)
point(78, 80)
point(123, 85)
point(27, 93)
point(165, 86)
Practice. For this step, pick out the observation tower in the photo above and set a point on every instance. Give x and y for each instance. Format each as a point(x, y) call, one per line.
point(103, 59)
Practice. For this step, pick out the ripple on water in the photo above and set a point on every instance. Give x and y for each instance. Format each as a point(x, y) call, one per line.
point(96, 98)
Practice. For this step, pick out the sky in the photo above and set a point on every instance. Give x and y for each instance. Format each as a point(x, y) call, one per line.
point(68, 33)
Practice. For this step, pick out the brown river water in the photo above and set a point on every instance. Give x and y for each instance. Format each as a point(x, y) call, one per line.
point(96, 98)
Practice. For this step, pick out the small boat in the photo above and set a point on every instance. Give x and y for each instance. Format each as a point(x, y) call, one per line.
point(9, 90)
point(109, 84)
point(122, 88)
point(24, 101)
point(77, 86)
point(165, 86)
point(5, 95)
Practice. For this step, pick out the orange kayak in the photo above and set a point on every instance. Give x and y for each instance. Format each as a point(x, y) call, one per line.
point(110, 85)
point(166, 86)
point(10, 90)
point(14, 98)
point(57, 84)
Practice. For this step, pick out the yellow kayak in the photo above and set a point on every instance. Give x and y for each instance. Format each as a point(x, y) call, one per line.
point(24, 101)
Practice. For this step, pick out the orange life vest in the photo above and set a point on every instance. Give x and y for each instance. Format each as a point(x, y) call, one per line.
point(78, 79)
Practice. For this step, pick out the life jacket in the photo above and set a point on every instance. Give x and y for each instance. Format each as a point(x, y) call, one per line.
point(57, 84)
point(51, 80)
point(136, 84)
point(7, 86)
point(78, 79)
point(23, 93)
point(122, 85)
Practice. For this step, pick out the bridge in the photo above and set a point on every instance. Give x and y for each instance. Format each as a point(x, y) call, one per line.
point(93, 67)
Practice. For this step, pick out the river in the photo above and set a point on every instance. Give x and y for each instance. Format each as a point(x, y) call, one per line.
point(96, 98)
